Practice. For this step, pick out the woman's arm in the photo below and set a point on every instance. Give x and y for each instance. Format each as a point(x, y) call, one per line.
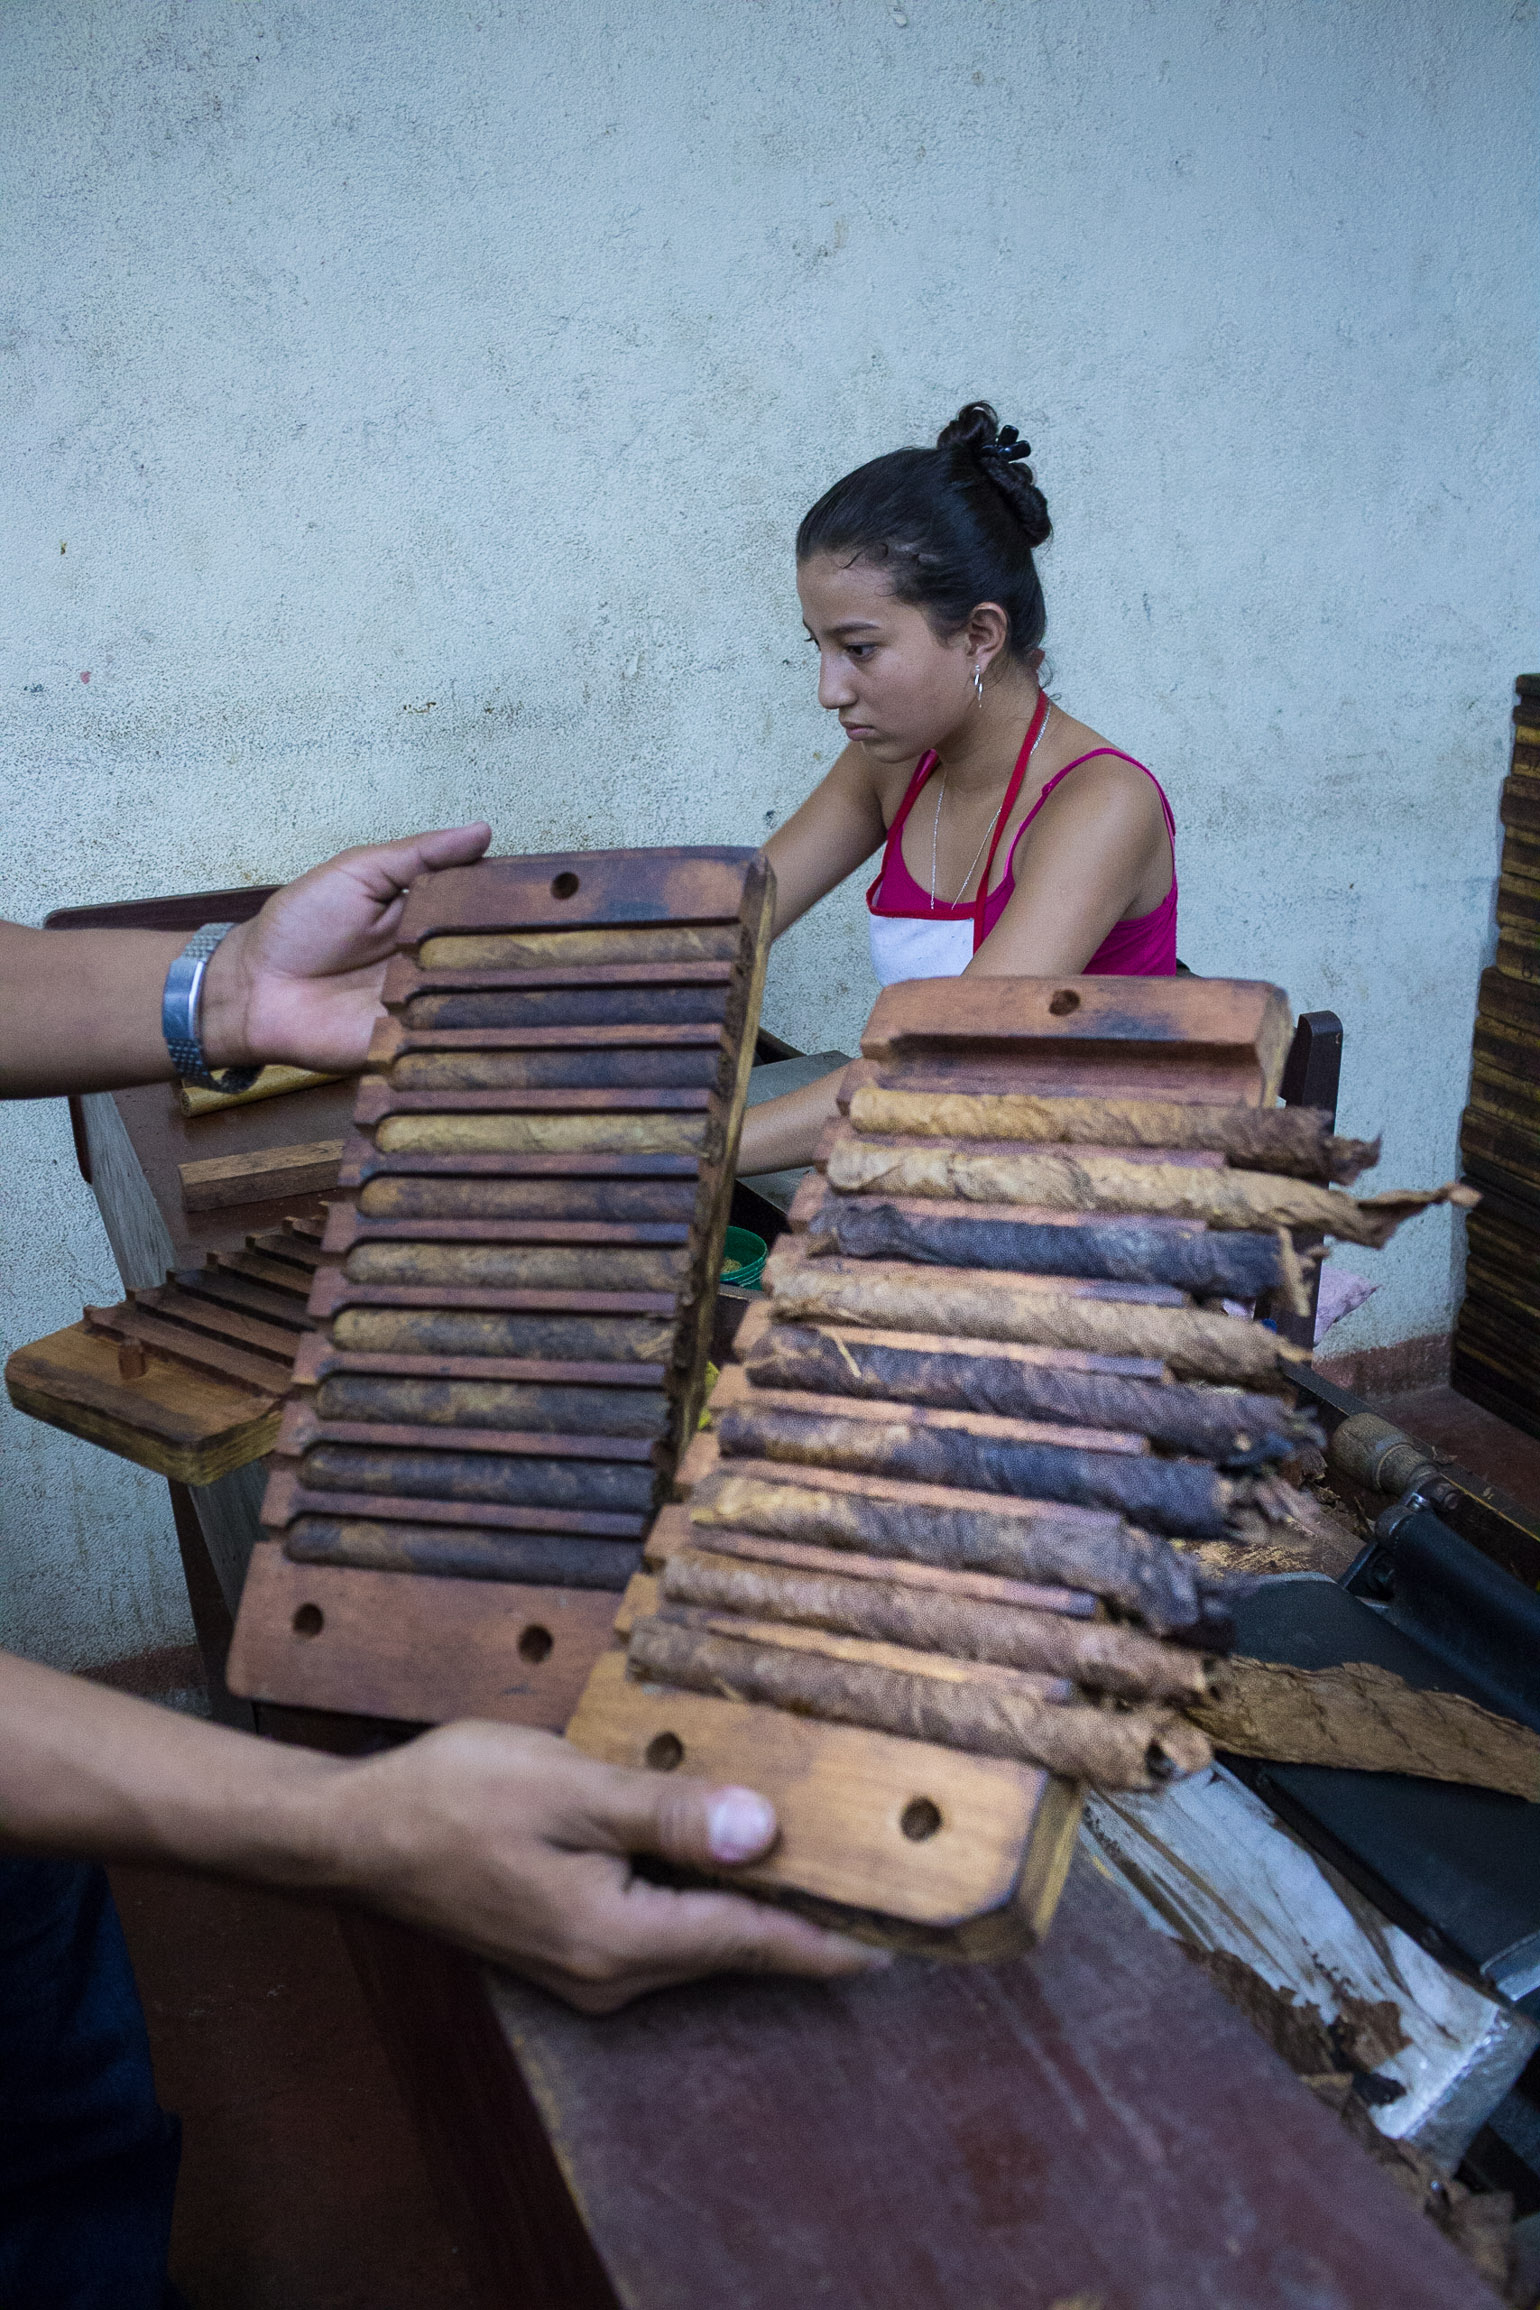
point(1096, 851)
point(838, 826)
point(780, 1133)
point(835, 831)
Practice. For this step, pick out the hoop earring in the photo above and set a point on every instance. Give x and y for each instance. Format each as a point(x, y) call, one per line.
point(978, 682)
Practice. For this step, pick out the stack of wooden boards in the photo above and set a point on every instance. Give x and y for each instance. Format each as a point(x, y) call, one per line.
point(1496, 1354)
point(514, 1298)
point(186, 1378)
point(921, 1582)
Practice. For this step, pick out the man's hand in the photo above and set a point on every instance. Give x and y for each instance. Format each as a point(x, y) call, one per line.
point(509, 1842)
point(519, 1846)
point(301, 981)
point(80, 1009)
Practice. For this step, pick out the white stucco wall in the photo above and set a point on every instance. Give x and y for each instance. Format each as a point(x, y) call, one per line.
point(426, 397)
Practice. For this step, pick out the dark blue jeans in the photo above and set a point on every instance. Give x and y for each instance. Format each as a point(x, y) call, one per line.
point(88, 2160)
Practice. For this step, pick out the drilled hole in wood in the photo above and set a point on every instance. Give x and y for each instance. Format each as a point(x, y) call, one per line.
point(309, 1620)
point(664, 1752)
point(1065, 1001)
point(535, 1643)
point(565, 886)
point(920, 1819)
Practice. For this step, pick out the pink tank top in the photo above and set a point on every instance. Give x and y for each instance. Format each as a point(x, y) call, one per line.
point(1143, 946)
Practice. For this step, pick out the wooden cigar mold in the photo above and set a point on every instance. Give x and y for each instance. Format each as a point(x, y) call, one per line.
point(917, 1583)
point(512, 1305)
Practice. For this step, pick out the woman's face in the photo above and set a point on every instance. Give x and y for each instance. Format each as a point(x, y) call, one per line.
point(896, 687)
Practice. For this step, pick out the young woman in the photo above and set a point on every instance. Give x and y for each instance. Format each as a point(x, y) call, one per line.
point(1014, 840)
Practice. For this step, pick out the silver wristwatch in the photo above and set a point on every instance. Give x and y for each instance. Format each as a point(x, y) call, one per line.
point(179, 1015)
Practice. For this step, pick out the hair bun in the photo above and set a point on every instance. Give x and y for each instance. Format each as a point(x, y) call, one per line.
point(975, 427)
point(1001, 455)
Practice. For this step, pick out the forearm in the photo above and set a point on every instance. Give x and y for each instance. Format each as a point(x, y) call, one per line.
point(837, 827)
point(779, 1133)
point(81, 1009)
point(91, 1772)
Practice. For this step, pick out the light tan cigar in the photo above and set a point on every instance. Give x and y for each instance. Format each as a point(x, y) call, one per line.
point(1287, 1139)
point(1091, 1652)
point(987, 1305)
point(1107, 1183)
point(520, 1266)
point(1116, 1749)
point(542, 1134)
point(1364, 1718)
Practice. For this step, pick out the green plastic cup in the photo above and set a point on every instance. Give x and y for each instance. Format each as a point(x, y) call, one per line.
point(743, 1258)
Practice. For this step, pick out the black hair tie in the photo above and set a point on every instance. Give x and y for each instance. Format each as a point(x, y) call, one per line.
point(1008, 446)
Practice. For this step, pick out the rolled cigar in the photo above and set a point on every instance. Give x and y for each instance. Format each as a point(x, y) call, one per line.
point(543, 950)
point(1241, 1199)
point(981, 1305)
point(1364, 1718)
point(1133, 1749)
point(509, 1480)
point(493, 1404)
point(614, 1199)
point(1182, 1496)
point(520, 1266)
point(570, 1007)
point(543, 1134)
point(1220, 1424)
point(1184, 1253)
point(1091, 1652)
point(1293, 1140)
point(1141, 1575)
point(555, 1070)
point(552, 1338)
point(873, 1652)
point(539, 1559)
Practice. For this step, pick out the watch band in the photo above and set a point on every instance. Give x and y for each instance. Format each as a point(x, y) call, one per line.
point(179, 1015)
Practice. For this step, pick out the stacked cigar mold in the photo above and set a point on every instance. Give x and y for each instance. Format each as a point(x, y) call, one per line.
point(513, 1304)
point(1011, 1358)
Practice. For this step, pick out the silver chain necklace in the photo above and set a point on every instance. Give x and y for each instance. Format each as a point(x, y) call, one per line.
point(935, 832)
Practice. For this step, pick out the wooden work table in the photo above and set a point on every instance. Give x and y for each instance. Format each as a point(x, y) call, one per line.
point(1090, 2125)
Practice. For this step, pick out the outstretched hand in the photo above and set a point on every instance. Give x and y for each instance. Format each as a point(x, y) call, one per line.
point(519, 1846)
point(301, 981)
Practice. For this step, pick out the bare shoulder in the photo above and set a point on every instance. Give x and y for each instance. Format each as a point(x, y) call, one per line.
point(881, 783)
point(1106, 780)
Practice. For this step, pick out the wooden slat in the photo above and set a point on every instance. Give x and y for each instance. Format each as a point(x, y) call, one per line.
point(215, 1284)
point(377, 1099)
point(267, 1374)
point(288, 1497)
point(363, 1161)
point(348, 1225)
point(226, 1323)
point(302, 1427)
point(306, 1169)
